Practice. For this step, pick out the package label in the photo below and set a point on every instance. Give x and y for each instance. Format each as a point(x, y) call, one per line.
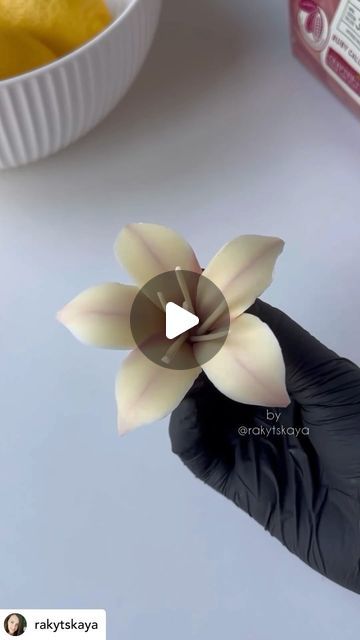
point(341, 57)
point(335, 36)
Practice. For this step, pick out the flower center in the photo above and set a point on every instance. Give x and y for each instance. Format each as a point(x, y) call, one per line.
point(201, 332)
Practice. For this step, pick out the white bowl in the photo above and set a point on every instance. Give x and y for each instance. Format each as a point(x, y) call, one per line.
point(45, 110)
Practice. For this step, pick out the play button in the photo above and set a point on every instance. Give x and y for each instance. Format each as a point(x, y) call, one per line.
point(174, 312)
point(178, 320)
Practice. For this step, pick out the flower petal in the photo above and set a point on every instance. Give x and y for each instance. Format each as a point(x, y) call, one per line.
point(146, 392)
point(242, 270)
point(249, 368)
point(100, 316)
point(146, 250)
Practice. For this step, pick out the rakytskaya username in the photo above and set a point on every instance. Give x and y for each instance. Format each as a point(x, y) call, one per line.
point(66, 624)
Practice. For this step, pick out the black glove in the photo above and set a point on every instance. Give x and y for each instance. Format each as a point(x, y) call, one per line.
point(304, 489)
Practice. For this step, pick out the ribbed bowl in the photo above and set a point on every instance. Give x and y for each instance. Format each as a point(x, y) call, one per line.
point(46, 109)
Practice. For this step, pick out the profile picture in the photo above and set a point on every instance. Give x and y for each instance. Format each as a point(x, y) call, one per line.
point(15, 624)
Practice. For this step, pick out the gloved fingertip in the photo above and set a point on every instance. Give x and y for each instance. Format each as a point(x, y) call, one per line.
point(184, 427)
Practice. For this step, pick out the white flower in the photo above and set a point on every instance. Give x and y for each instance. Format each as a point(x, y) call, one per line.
point(248, 368)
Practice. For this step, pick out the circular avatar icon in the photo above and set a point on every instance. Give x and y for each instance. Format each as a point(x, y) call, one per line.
point(15, 624)
point(179, 319)
point(313, 24)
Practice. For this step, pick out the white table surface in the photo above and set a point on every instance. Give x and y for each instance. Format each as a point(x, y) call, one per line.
point(223, 133)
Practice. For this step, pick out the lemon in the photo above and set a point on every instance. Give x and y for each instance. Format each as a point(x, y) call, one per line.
point(61, 25)
point(20, 52)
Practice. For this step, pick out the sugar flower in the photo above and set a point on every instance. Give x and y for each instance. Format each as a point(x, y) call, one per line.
point(249, 366)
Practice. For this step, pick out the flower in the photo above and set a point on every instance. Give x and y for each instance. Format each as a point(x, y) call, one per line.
point(249, 366)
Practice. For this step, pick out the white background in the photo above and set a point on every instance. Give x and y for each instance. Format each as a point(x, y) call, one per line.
point(223, 133)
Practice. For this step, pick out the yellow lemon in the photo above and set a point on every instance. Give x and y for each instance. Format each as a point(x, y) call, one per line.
point(20, 52)
point(62, 25)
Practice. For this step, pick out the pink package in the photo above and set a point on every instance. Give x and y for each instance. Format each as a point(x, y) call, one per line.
point(325, 36)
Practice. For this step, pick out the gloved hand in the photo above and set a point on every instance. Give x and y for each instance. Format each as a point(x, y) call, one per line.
point(304, 489)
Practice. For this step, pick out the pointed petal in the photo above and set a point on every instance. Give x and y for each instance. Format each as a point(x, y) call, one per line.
point(249, 368)
point(242, 270)
point(146, 250)
point(146, 392)
point(100, 316)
